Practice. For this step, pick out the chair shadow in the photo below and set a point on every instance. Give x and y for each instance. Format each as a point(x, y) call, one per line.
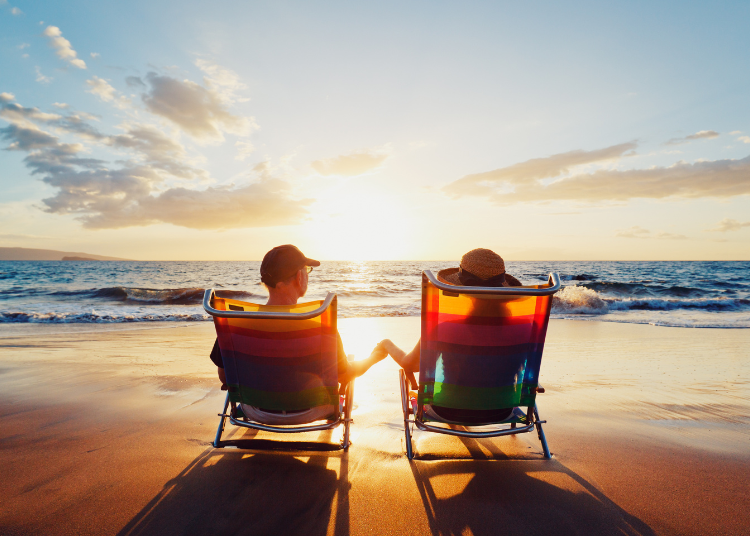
point(232, 491)
point(505, 496)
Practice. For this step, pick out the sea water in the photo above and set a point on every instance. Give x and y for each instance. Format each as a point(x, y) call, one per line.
point(687, 294)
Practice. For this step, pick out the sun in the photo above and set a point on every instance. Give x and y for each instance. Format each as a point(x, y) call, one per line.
point(352, 227)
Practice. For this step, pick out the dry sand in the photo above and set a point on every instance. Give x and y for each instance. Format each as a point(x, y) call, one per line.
point(107, 430)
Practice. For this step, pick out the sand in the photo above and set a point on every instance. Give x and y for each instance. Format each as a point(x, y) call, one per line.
point(107, 430)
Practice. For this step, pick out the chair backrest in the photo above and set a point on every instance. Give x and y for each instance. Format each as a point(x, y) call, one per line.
point(482, 347)
point(274, 356)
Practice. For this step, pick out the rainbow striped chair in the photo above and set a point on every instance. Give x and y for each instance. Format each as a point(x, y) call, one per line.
point(480, 354)
point(280, 360)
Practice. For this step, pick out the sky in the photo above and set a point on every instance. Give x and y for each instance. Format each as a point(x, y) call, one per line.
point(415, 130)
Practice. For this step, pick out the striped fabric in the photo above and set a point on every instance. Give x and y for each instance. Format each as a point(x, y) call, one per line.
point(279, 364)
point(480, 352)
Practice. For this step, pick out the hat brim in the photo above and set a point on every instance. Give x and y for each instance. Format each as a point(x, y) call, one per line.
point(450, 276)
point(311, 262)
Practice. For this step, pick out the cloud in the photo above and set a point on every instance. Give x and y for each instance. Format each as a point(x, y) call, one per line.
point(102, 89)
point(728, 224)
point(244, 149)
point(63, 48)
point(226, 83)
point(95, 55)
point(199, 111)
point(134, 81)
point(156, 150)
point(735, 132)
point(15, 113)
point(22, 46)
point(15, 11)
point(701, 135)
point(670, 236)
point(349, 165)
point(137, 192)
point(633, 232)
point(534, 170)
point(639, 232)
point(7, 97)
point(744, 139)
point(40, 77)
point(61, 105)
point(528, 182)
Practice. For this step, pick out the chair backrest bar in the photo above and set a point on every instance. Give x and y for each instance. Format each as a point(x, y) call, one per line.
point(482, 346)
point(280, 358)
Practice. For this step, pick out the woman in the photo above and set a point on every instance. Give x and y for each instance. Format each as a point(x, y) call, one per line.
point(478, 268)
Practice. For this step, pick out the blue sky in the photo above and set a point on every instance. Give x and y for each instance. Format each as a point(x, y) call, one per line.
point(419, 130)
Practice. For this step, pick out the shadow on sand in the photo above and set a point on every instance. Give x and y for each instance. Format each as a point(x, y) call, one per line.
point(239, 492)
point(517, 497)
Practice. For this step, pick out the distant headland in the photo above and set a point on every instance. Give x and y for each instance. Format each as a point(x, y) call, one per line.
point(30, 254)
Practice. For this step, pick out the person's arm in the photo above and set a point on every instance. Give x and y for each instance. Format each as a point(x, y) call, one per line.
point(349, 370)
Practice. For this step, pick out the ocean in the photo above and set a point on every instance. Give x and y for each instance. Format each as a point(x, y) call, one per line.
point(681, 294)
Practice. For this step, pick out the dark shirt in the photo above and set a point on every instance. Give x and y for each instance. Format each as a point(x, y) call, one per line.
point(343, 362)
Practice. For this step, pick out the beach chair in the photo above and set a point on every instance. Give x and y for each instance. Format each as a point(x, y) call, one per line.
point(481, 350)
point(280, 359)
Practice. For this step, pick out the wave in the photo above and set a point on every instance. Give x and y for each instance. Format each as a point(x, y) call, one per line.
point(169, 296)
point(584, 300)
point(97, 318)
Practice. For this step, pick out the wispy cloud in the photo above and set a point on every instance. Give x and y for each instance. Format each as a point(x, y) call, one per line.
point(639, 232)
point(102, 89)
point(744, 139)
point(701, 135)
point(137, 192)
point(542, 179)
point(63, 48)
point(199, 111)
point(15, 11)
point(244, 149)
point(224, 82)
point(40, 77)
point(350, 165)
point(729, 224)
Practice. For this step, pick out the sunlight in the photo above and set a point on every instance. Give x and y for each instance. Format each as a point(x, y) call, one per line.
point(356, 226)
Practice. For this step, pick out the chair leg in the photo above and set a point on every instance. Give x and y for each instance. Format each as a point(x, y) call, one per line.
point(222, 418)
point(540, 433)
point(406, 408)
point(349, 402)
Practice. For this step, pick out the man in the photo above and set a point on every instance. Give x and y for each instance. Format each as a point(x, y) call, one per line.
point(284, 272)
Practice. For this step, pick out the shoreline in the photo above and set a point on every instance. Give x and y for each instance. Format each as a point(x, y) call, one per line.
point(110, 427)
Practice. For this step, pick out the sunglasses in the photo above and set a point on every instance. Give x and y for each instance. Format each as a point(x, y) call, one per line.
point(309, 269)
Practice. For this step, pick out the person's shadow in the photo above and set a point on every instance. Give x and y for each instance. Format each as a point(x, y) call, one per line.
point(239, 492)
point(516, 496)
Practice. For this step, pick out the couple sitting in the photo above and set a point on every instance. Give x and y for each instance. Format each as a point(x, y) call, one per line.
point(284, 272)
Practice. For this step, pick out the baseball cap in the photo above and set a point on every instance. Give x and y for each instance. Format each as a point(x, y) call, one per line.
point(282, 262)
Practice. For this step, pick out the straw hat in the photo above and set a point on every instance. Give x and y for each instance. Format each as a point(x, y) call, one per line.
point(479, 268)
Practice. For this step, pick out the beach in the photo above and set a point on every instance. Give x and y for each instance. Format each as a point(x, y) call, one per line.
point(106, 429)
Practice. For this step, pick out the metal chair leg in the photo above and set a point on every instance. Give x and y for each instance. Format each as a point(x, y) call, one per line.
point(406, 407)
point(348, 413)
point(222, 418)
point(540, 434)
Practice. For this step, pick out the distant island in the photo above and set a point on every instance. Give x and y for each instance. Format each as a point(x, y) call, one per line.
point(30, 254)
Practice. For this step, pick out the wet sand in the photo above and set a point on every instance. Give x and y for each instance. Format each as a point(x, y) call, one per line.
point(107, 430)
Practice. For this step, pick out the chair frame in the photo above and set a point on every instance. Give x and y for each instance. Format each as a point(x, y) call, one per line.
point(532, 414)
point(344, 416)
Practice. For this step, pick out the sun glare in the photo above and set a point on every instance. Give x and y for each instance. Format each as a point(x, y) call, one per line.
point(351, 230)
